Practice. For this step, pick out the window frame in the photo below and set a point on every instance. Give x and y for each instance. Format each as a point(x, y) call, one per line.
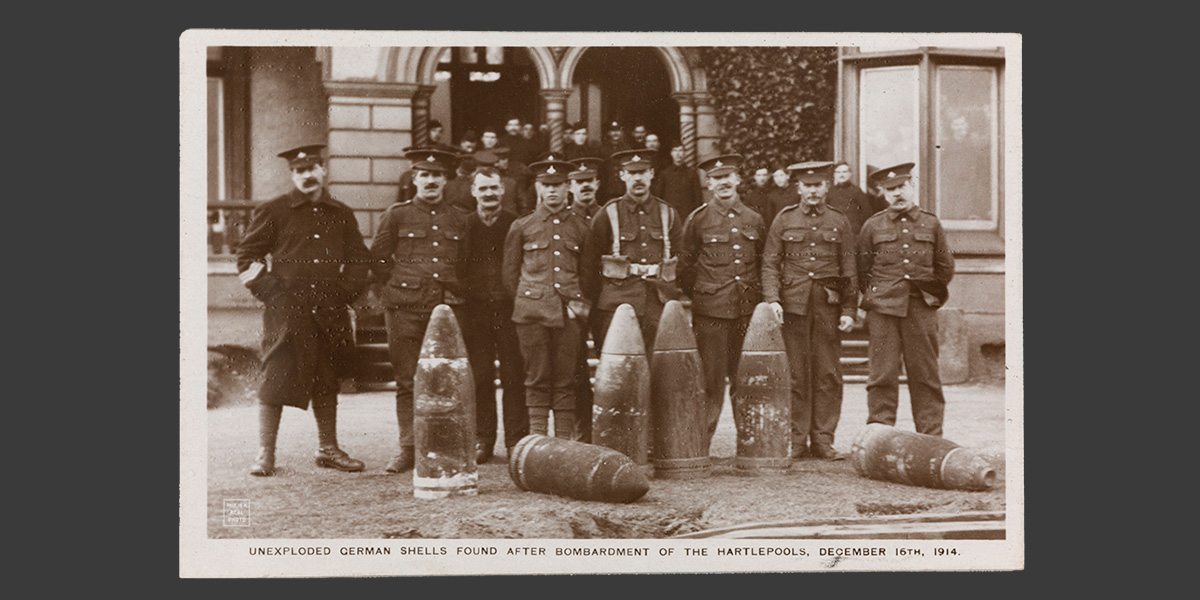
point(965, 241)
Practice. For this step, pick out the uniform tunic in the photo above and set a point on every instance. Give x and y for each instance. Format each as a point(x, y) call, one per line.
point(809, 268)
point(541, 270)
point(719, 270)
point(417, 251)
point(905, 266)
point(319, 265)
point(641, 233)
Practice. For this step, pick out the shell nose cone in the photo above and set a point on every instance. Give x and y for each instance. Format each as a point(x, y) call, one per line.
point(765, 333)
point(443, 338)
point(624, 337)
point(674, 333)
point(629, 483)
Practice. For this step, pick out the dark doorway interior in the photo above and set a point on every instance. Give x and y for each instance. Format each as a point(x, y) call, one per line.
point(634, 87)
point(487, 89)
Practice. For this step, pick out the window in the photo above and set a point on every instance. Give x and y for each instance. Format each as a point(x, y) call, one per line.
point(940, 108)
point(888, 117)
point(966, 147)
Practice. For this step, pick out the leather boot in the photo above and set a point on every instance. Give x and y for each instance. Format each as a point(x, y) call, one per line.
point(332, 457)
point(403, 461)
point(483, 453)
point(264, 465)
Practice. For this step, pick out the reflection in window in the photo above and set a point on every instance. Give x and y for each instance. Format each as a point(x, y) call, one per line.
point(888, 118)
point(966, 148)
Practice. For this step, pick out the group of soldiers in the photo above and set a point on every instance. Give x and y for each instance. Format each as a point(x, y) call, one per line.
point(530, 289)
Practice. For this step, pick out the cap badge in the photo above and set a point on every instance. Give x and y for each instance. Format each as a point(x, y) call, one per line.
point(810, 172)
point(550, 170)
point(299, 155)
point(635, 158)
point(431, 158)
point(891, 173)
point(720, 164)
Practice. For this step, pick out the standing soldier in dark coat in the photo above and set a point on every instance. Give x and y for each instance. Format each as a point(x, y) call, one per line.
point(809, 279)
point(677, 183)
point(488, 328)
point(722, 243)
point(905, 266)
point(417, 251)
point(849, 198)
point(319, 265)
point(541, 270)
point(630, 256)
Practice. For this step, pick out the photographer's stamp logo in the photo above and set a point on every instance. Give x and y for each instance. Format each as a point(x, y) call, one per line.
point(237, 513)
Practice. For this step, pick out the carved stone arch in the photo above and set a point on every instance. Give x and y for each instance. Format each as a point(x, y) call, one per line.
point(678, 69)
point(422, 65)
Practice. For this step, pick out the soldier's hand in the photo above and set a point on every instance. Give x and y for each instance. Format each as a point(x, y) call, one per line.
point(777, 310)
point(845, 323)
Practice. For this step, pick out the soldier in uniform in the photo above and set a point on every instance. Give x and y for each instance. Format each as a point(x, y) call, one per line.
point(319, 265)
point(630, 257)
point(809, 279)
point(417, 251)
point(585, 182)
point(905, 266)
point(541, 270)
point(722, 243)
point(488, 328)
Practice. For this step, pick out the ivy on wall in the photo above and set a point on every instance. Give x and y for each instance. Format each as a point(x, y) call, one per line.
point(775, 105)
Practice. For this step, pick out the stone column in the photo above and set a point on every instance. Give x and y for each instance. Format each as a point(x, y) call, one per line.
point(687, 127)
point(369, 125)
point(708, 129)
point(420, 115)
point(556, 112)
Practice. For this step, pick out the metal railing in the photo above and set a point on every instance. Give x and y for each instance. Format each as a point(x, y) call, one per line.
point(228, 221)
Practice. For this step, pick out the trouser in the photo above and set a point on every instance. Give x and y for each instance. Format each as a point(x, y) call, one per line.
point(813, 350)
point(915, 338)
point(490, 335)
point(550, 355)
point(405, 332)
point(720, 344)
point(584, 399)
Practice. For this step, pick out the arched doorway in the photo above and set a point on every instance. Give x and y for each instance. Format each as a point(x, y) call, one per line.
point(488, 86)
point(628, 85)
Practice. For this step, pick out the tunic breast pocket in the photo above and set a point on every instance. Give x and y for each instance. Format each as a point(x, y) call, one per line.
point(536, 255)
point(714, 248)
point(793, 239)
point(924, 236)
point(407, 239)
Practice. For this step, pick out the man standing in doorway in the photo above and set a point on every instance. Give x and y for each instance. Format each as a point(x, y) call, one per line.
point(417, 251)
point(678, 184)
point(809, 279)
point(905, 266)
point(319, 265)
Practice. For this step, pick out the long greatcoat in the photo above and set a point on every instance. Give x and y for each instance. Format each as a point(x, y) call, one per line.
point(319, 264)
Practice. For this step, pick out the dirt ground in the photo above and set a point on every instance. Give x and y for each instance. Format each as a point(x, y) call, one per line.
point(304, 501)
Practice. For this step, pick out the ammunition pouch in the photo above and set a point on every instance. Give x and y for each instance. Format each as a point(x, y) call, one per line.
point(614, 267)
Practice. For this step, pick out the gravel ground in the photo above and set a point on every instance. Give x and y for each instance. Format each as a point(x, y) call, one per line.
point(304, 501)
